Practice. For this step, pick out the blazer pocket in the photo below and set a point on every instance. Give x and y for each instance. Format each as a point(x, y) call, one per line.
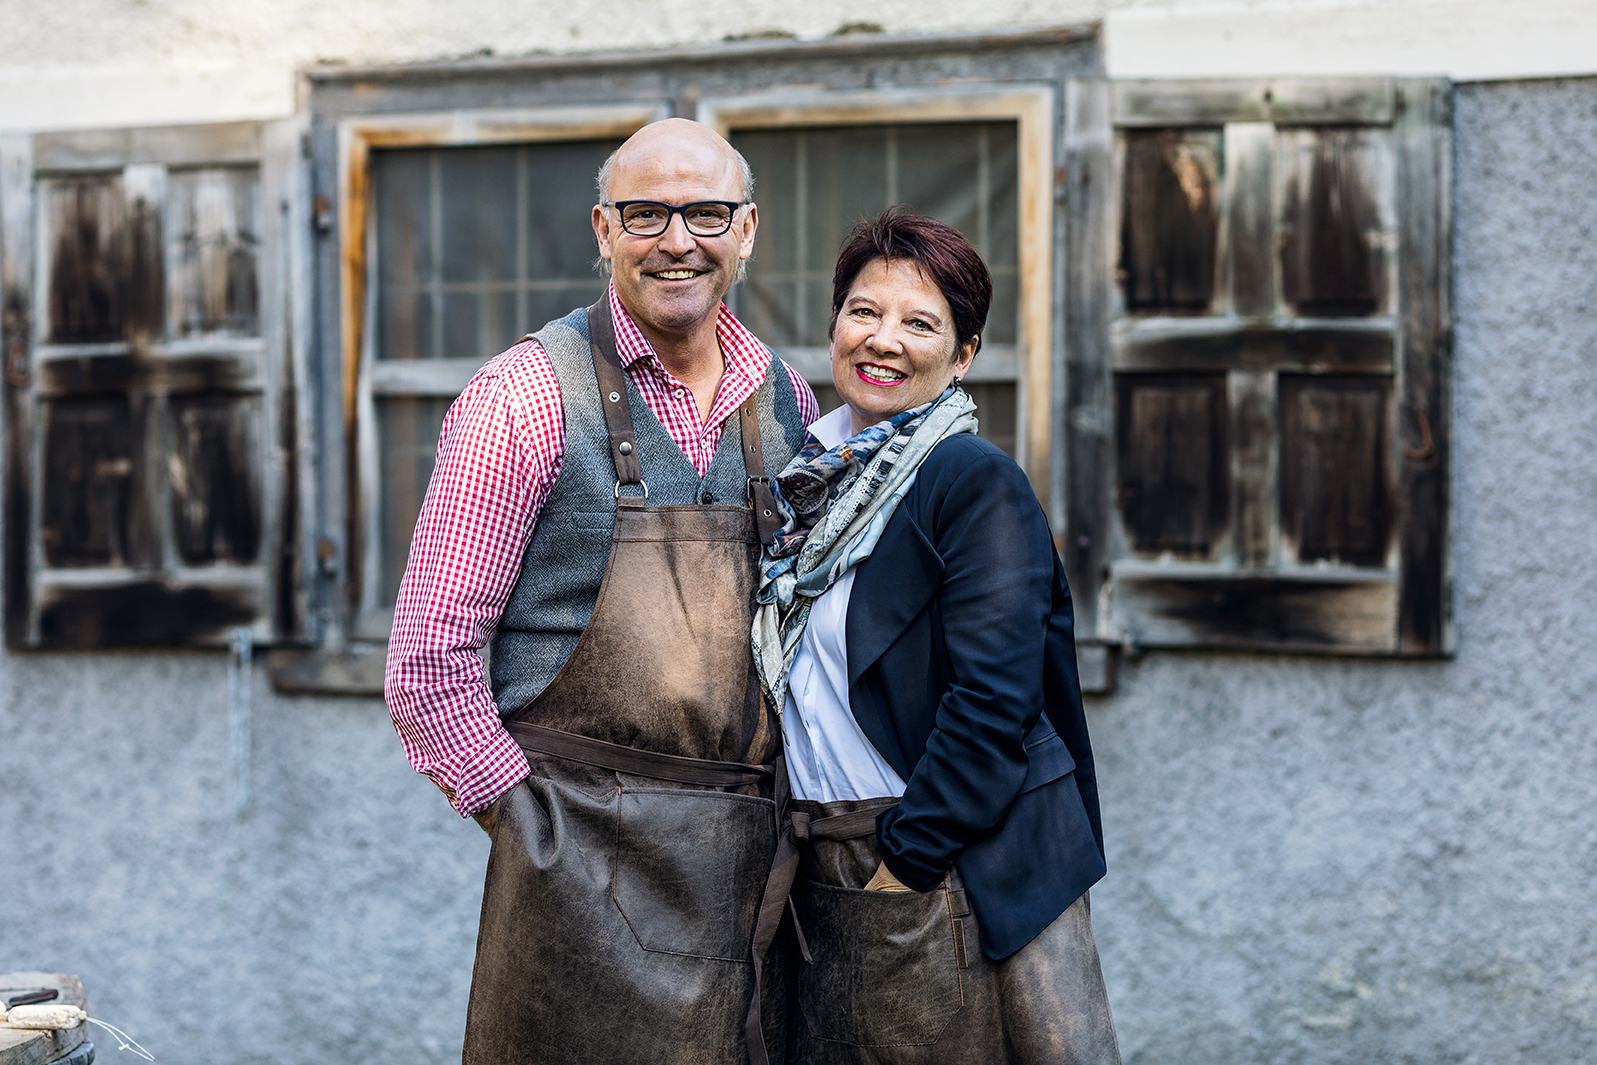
point(1047, 760)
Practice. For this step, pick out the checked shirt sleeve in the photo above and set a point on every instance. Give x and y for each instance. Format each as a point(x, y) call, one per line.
point(809, 407)
point(498, 454)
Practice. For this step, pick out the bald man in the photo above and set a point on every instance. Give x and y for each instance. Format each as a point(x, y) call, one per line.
point(595, 518)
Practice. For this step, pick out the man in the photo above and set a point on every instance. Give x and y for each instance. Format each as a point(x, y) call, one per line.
point(590, 511)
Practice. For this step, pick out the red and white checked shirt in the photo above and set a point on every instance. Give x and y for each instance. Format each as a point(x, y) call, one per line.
point(499, 453)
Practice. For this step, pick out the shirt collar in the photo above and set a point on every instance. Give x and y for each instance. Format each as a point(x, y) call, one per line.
point(834, 428)
point(745, 355)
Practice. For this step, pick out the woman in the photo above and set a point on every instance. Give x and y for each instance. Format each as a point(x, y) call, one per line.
point(914, 625)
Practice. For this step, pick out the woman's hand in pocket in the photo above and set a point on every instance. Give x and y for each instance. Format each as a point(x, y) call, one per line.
point(884, 880)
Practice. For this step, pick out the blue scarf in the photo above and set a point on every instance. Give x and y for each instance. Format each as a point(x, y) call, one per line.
point(835, 504)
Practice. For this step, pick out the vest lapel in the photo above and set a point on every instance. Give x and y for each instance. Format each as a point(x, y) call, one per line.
point(887, 596)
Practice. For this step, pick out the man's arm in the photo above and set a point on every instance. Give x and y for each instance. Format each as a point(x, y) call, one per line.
point(809, 407)
point(498, 454)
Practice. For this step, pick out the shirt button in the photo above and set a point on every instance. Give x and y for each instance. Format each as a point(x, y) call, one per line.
point(679, 393)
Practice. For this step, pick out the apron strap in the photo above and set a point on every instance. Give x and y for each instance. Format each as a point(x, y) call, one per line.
point(778, 889)
point(613, 394)
point(540, 739)
point(767, 519)
point(852, 825)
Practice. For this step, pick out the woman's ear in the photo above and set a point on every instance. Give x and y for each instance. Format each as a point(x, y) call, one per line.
point(965, 356)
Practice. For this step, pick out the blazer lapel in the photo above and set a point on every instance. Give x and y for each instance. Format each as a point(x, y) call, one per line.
point(890, 589)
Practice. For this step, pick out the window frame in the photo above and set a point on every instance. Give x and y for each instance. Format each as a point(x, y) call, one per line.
point(366, 378)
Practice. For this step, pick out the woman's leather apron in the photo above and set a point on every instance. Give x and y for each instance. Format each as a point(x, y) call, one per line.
point(898, 978)
point(626, 875)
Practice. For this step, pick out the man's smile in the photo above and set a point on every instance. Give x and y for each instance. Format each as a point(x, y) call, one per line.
point(678, 274)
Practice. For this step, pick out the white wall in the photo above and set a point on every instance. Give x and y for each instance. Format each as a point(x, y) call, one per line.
point(88, 63)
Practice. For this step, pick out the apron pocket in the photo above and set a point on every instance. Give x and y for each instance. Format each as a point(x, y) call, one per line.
point(886, 971)
point(690, 867)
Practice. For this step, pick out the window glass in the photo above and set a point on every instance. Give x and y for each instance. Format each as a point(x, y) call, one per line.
point(814, 183)
point(476, 247)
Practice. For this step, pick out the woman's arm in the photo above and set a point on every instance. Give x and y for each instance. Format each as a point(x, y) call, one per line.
point(994, 604)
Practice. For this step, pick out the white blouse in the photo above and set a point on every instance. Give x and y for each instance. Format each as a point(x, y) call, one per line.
point(828, 756)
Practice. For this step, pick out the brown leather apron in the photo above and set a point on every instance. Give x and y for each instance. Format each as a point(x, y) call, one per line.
point(626, 874)
point(898, 978)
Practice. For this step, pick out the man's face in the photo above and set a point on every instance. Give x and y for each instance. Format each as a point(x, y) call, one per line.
point(674, 282)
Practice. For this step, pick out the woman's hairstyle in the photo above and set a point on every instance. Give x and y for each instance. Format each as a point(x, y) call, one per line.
point(940, 250)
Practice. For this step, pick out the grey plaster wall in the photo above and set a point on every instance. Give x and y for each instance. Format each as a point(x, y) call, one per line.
point(1310, 861)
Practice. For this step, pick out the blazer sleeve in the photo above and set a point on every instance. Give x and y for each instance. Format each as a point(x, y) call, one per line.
point(994, 606)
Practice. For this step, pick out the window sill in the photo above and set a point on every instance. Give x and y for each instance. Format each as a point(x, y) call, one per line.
point(356, 671)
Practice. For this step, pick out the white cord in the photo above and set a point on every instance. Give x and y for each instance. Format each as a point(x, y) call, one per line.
point(124, 1041)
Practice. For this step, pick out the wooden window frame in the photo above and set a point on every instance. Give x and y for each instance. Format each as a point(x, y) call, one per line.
point(1417, 619)
point(365, 378)
point(1032, 108)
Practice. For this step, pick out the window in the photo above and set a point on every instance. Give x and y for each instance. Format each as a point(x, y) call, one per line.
point(1256, 393)
point(146, 347)
point(452, 202)
point(476, 233)
point(816, 182)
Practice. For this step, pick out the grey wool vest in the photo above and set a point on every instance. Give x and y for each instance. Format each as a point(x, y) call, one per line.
point(565, 560)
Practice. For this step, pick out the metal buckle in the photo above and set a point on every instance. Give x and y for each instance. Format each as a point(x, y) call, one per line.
point(644, 484)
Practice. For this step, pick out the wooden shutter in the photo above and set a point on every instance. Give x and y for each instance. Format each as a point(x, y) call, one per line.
point(145, 295)
point(1257, 338)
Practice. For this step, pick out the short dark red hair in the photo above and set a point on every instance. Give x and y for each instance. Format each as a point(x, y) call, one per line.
point(939, 249)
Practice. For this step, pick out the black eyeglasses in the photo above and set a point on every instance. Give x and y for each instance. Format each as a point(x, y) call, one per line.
point(650, 218)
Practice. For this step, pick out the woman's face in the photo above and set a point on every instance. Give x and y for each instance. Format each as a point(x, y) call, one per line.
point(893, 346)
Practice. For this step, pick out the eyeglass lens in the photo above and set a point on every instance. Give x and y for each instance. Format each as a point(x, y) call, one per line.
point(648, 219)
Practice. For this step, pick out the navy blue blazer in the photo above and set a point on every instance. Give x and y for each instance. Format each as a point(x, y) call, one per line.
point(960, 637)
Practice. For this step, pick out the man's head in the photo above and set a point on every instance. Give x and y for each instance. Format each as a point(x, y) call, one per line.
point(674, 281)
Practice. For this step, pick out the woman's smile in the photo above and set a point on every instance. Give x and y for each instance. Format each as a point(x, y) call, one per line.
point(880, 375)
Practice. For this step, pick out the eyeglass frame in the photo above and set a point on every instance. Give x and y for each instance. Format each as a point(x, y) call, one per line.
point(734, 206)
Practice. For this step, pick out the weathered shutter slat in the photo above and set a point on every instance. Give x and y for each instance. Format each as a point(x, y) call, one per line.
point(1087, 428)
point(1424, 140)
point(17, 243)
point(1254, 466)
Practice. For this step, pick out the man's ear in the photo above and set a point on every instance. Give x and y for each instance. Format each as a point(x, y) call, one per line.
point(751, 222)
point(601, 231)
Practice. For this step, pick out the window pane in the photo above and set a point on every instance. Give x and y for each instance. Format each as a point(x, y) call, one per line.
point(1173, 462)
point(1169, 222)
point(1333, 469)
point(408, 428)
point(85, 223)
point(478, 246)
point(88, 482)
point(216, 512)
point(814, 183)
point(1335, 192)
point(215, 288)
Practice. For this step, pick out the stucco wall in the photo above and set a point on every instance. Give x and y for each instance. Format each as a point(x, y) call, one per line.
point(1310, 862)
point(94, 63)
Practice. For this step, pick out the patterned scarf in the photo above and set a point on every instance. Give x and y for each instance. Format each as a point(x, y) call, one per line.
point(836, 504)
